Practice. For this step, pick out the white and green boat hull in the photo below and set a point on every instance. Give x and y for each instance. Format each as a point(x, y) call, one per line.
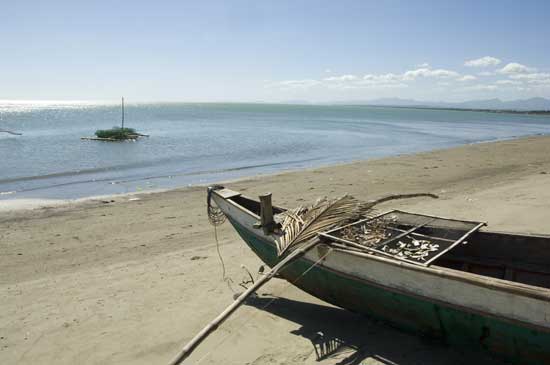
point(430, 301)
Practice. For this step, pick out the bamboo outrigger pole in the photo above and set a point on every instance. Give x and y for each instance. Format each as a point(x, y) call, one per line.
point(212, 326)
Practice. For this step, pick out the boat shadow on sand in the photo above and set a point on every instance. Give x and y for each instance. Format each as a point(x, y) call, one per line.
point(345, 338)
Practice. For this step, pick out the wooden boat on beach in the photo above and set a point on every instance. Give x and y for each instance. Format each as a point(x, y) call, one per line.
point(475, 288)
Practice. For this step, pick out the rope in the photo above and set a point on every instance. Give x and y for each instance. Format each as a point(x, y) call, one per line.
point(216, 217)
point(288, 284)
point(219, 253)
point(215, 214)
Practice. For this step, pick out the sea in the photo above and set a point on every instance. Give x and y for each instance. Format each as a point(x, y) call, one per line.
point(201, 143)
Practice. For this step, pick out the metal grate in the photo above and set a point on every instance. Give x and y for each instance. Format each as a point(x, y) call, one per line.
point(414, 238)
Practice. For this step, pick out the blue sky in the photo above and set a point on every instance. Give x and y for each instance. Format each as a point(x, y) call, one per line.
point(274, 50)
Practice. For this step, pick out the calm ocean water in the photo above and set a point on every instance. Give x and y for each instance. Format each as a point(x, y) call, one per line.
point(203, 143)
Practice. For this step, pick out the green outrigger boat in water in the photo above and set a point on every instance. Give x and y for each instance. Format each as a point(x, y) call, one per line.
point(470, 286)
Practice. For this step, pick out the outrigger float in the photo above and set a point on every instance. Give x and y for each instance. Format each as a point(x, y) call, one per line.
point(438, 277)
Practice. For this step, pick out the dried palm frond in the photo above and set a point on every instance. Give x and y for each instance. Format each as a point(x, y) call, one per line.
point(303, 223)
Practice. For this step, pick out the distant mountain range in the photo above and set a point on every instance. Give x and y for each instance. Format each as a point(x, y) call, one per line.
point(491, 104)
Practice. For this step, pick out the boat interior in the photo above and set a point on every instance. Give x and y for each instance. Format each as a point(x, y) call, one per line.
point(521, 258)
point(518, 258)
point(252, 205)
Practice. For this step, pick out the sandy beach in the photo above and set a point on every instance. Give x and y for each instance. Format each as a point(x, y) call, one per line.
point(129, 279)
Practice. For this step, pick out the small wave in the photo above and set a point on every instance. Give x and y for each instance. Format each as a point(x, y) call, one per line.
point(218, 171)
point(75, 172)
point(152, 177)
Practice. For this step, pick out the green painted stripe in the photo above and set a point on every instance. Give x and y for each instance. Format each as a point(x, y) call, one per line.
point(411, 313)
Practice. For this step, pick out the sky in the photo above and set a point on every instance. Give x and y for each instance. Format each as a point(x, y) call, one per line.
point(274, 51)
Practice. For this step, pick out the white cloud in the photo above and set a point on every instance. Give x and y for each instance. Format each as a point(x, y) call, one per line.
point(413, 74)
point(382, 79)
point(364, 85)
point(506, 79)
point(482, 87)
point(341, 78)
point(508, 82)
point(540, 82)
point(467, 78)
point(483, 62)
point(515, 68)
point(423, 65)
point(444, 73)
point(298, 84)
point(531, 76)
point(426, 72)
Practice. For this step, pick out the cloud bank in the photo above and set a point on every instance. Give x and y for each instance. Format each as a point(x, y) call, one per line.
point(513, 76)
point(483, 62)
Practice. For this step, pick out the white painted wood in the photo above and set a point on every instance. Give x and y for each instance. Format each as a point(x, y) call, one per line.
point(227, 193)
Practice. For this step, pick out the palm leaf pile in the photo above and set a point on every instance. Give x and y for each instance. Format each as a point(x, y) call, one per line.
point(304, 223)
point(301, 224)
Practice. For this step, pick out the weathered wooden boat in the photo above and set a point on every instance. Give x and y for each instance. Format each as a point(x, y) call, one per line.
point(493, 292)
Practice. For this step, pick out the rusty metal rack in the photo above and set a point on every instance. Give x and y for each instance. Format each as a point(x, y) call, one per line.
point(414, 238)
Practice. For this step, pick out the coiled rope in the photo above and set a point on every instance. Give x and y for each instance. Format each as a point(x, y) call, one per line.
point(215, 214)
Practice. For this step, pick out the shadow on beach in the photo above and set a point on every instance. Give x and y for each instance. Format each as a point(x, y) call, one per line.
point(341, 337)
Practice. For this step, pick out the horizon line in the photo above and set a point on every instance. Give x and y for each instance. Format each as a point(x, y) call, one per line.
point(290, 101)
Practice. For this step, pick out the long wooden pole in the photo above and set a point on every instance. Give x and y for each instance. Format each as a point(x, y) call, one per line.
point(212, 326)
point(123, 112)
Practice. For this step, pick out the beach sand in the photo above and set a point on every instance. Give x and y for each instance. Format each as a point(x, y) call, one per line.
point(129, 279)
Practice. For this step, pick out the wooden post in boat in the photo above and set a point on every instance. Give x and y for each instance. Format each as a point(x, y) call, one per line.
point(266, 213)
point(212, 326)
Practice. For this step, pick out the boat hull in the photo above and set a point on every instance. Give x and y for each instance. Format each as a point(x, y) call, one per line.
point(408, 308)
point(419, 315)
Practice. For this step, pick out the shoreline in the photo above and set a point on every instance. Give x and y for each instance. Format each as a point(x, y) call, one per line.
point(129, 281)
point(24, 203)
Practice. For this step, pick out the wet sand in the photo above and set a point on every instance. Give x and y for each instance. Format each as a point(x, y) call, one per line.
point(129, 279)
